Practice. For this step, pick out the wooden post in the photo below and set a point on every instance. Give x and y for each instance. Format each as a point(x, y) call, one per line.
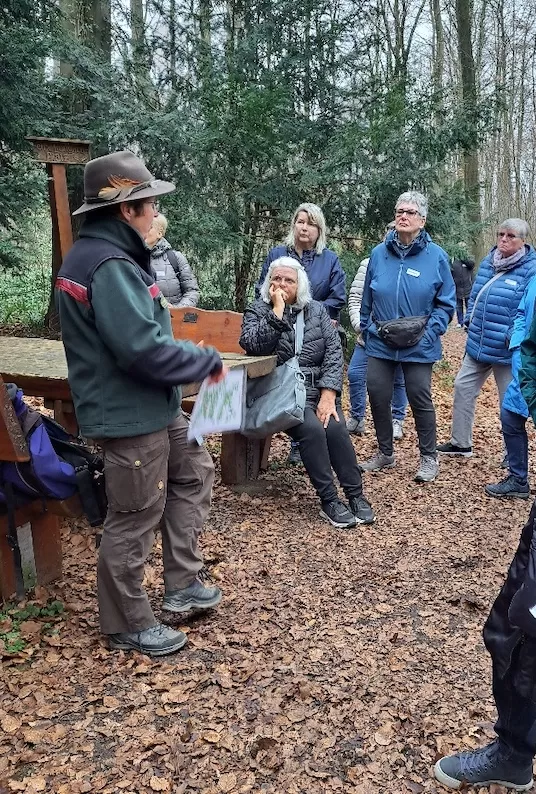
point(57, 154)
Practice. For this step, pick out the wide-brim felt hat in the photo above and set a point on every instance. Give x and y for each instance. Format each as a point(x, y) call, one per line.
point(118, 177)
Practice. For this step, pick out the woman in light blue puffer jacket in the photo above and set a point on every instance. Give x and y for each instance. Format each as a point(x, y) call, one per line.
point(498, 289)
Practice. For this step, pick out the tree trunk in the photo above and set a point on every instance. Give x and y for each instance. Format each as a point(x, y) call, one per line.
point(464, 15)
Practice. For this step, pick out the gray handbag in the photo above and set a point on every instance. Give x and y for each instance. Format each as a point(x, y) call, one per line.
point(276, 402)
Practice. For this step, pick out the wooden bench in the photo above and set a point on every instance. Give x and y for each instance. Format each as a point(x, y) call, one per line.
point(40, 519)
point(241, 458)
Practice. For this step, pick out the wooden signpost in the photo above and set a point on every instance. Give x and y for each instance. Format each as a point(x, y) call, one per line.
point(57, 154)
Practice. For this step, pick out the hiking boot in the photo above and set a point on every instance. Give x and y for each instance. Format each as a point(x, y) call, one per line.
point(294, 458)
point(428, 469)
point(398, 429)
point(159, 640)
point(356, 427)
point(361, 510)
point(338, 514)
point(452, 449)
point(509, 488)
point(491, 764)
point(378, 462)
point(195, 596)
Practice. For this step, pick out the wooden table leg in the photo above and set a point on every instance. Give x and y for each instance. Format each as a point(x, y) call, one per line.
point(46, 539)
point(7, 568)
point(240, 458)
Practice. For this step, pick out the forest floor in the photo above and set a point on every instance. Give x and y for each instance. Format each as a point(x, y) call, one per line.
point(338, 661)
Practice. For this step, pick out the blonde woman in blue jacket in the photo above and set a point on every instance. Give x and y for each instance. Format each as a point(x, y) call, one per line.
point(408, 276)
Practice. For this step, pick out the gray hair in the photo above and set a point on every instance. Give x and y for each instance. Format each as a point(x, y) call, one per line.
point(516, 225)
point(303, 295)
point(316, 216)
point(413, 197)
point(161, 223)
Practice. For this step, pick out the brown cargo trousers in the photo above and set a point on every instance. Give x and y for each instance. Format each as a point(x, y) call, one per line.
point(155, 478)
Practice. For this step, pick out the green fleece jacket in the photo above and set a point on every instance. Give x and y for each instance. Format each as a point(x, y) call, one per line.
point(124, 366)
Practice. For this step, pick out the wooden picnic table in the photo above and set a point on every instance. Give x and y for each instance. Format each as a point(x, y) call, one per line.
point(39, 368)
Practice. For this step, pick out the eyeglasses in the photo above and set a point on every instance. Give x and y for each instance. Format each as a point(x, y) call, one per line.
point(283, 280)
point(509, 235)
point(409, 213)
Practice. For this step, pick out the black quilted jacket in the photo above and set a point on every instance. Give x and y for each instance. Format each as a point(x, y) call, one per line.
point(264, 334)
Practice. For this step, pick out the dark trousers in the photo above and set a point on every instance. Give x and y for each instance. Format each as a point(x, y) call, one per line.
point(514, 657)
point(321, 449)
point(418, 380)
point(517, 444)
point(516, 722)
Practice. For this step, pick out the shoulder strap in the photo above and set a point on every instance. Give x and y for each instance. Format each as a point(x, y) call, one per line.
point(174, 259)
point(298, 333)
point(483, 289)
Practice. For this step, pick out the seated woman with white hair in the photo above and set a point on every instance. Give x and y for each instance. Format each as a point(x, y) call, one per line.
point(268, 328)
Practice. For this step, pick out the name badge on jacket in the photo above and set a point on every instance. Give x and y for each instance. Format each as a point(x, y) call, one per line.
point(412, 272)
point(511, 282)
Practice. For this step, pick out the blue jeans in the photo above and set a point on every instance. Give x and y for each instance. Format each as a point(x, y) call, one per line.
point(357, 377)
point(517, 444)
point(461, 308)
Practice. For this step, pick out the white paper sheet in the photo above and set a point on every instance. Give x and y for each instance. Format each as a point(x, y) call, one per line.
point(219, 407)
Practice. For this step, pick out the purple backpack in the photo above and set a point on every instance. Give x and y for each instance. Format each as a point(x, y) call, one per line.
point(45, 475)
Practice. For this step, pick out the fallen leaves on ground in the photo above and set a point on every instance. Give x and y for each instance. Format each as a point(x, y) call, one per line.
point(336, 662)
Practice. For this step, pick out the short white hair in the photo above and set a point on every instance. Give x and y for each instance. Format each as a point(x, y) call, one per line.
point(316, 216)
point(303, 295)
point(161, 223)
point(413, 197)
point(516, 225)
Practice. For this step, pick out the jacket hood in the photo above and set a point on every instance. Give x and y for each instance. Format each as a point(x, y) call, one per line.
point(415, 247)
point(119, 234)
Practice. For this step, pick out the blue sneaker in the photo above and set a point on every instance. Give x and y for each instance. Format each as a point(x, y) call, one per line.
point(490, 764)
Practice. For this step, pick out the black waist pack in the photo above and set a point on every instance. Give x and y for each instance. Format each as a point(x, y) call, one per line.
point(404, 332)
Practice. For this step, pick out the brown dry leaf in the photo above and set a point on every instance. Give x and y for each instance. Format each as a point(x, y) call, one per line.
point(10, 724)
point(415, 788)
point(37, 783)
point(211, 736)
point(110, 702)
point(30, 629)
point(159, 784)
point(227, 782)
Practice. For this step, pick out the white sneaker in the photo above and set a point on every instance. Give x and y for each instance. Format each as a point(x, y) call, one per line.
point(398, 429)
point(428, 469)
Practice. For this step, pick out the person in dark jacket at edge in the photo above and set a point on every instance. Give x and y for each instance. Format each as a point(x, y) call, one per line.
point(124, 370)
point(306, 242)
point(462, 273)
point(268, 327)
point(510, 638)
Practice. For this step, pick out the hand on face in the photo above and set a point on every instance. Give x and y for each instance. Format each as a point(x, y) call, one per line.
point(278, 297)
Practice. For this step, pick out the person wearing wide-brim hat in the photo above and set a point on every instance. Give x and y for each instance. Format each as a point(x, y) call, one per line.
point(125, 370)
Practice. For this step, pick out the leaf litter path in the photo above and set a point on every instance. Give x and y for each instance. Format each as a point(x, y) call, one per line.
point(337, 661)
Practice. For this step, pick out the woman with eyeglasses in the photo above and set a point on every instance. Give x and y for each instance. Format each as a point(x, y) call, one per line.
point(408, 301)
point(268, 328)
point(496, 294)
